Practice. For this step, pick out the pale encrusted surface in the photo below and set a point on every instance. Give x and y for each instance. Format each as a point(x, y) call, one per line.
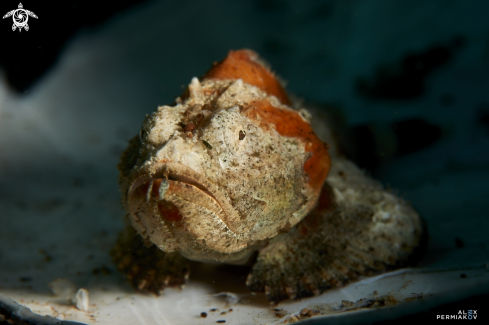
point(365, 230)
point(238, 184)
point(235, 182)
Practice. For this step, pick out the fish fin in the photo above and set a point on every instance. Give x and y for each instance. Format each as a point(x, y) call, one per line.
point(358, 228)
point(148, 269)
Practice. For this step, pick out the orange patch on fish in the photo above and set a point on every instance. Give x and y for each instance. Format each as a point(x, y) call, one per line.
point(243, 64)
point(289, 123)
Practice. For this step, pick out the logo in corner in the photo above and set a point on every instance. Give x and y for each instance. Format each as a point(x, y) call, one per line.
point(20, 17)
point(462, 314)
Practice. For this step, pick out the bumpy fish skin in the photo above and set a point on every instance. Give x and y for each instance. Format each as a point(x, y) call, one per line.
point(358, 228)
point(232, 169)
point(226, 168)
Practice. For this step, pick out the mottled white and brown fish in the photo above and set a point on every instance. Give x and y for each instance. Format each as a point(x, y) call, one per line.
point(231, 169)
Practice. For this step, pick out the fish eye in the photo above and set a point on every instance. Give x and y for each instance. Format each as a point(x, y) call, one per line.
point(242, 134)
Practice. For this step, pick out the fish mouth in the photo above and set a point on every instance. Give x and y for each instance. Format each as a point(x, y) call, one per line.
point(175, 204)
point(172, 178)
point(192, 182)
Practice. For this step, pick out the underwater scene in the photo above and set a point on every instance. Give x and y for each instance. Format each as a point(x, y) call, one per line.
point(244, 162)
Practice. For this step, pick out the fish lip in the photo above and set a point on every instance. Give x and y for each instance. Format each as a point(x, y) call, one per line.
point(169, 174)
point(180, 173)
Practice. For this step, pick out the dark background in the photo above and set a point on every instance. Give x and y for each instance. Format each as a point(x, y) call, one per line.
point(299, 40)
point(407, 80)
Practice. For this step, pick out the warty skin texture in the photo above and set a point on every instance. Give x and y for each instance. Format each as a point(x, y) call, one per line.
point(232, 169)
point(225, 169)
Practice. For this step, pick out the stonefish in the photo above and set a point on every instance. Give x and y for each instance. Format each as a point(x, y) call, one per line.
point(232, 169)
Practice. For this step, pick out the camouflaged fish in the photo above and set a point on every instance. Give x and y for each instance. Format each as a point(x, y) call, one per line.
point(232, 169)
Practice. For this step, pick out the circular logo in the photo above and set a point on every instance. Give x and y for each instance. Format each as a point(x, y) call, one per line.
point(20, 17)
